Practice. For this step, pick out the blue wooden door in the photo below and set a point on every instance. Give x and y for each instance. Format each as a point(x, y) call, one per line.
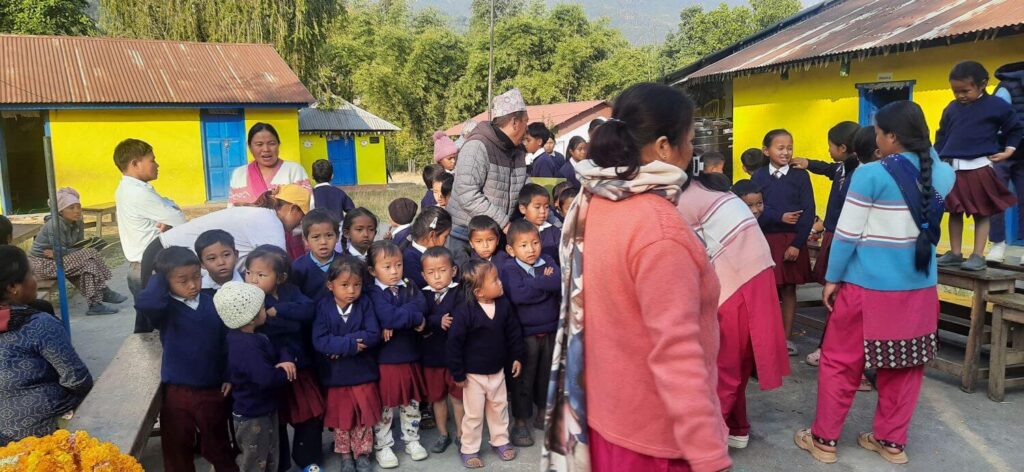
point(223, 149)
point(341, 151)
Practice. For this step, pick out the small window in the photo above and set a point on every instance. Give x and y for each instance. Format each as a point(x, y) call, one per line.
point(374, 139)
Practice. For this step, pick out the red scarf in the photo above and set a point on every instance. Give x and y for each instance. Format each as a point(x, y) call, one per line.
point(254, 179)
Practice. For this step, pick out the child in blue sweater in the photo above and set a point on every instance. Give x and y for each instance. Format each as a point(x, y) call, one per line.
point(358, 230)
point(486, 240)
point(430, 229)
point(344, 334)
point(192, 369)
point(534, 203)
point(442, 296)
point(401, 212)
point(216, 251)
point(327, 196)
point(309, 272)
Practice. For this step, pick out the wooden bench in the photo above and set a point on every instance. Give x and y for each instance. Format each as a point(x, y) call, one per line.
point(99, 211)
point(24, 232)
point(1007, 325)
point(125, 401)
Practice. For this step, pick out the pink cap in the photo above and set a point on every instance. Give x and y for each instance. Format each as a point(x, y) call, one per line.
point(443, 146)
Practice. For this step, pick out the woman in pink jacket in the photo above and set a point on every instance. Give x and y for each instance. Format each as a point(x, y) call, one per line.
point(639, 286)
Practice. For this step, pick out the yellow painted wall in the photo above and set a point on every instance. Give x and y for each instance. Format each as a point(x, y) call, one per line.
point(371, 169)
point(311, 148)
point(813, 100)
point(286, 122)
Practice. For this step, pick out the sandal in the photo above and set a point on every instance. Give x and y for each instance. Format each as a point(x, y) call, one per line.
point(805, 441)
point(521, 436)
point(506, 452)
point(868, 441)
point(471, 461)
point(814, 358)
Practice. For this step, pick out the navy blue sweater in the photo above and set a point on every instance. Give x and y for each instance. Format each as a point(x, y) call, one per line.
point(400, 313)
point(428, 200)
point(333, 199)
point(550, 239)
point(402, 235)
point(569, 172)
point(290, 329)
point(498, 259)
point(791, 192)
point(840, 173)
point(255, 382)
point(334, 336)
point(194, 354)
point(434, 344)
point(976, 129)
point(412, 266)
point(309, 277)
point(536, 298)
point(481, 345)
point(545, 166)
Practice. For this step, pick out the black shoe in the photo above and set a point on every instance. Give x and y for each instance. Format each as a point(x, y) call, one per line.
point(441, 444)
point(427, 420)
point(110, 296)
point(522, 436)
point(347, 463)
point(363, 464)
point(538, 421)
point(101, 309)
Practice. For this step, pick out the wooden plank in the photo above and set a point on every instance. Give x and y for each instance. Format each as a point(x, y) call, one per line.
point(987, 274)
point(997, 359)
point(24, 231)
point(99, 211)
point(124, 402)
point(1009, 300)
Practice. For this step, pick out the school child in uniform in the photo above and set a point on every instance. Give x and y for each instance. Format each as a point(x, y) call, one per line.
point(430, 174)
point(485, 335)
point(309, 272)
point(565, 198)
point(400, 309)
point(193, 367)
point(575, 152)
point(556, 194)
point(289, 327)
point(533, 283)
point(969, 136)
point(446, 154)
point(786, 221)
point(712, 162)
point(882, 293)
point(546, 164)
point(442, 295)
point(345, 333)
point(749, 192)
point(358, 230)
point(216, 251)
point(749, 317)
point(401, 211)
point(533, 204)
point(327, 196)
point(753, 159)
point(256, 373)
point(486, 239)
point(443, 189)
point(430, 229)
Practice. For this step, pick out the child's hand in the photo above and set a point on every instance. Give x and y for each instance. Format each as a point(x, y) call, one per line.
point(289, 370)
point(461, 384)
point(360, 345)
point(386, 334)
point(225, 388)
point(548, 271)
point(446, 321)
point(48, 253)
point(272, 312)
point(828, 294)
point(799, 163)
point(791, 254)
point(422, 326)
point(516, 368)
point(792, 217)
point(162, 227)
point(1001, 156)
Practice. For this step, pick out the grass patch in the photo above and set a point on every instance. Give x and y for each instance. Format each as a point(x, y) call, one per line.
point(377, 199)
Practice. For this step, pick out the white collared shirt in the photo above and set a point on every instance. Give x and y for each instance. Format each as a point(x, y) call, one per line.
point(971, 164)
point(355, 252)
point(398, 229)
point(444, 292)
point(777, 172)
point(345, 313)
point(192, 303)
point(531, 269)
point(139, 210)
point(401, 283)
point(418, 247)
point(544, 226)
point(208, 281)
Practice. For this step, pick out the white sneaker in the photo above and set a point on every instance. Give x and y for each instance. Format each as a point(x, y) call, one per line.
point(386, 458)
point(997, 253)
point(738, 442)
point(416, 450)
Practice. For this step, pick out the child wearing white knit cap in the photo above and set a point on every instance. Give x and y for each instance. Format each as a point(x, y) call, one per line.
point(255, 374)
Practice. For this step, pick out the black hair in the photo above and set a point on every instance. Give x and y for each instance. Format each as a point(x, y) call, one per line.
point(14, 268)
point(594, 124)
point(277, 257)
point(318, 216)
point(213, 236)
point(431, 220)
point(753, 159)
point(323, 171)
point(538, 131)
point(575, 141)
point(568, 194)
point(642, 114)
point(174, 257)
point(970, 70)
point(382, 248)
point(256, 128)
point(447, 182)
point(771, 135)
point(438, 251)
point(6, 230)
point(865, 144)
point(906, 120)
point(502, 121)
point(473, 277)
point(431, 173)
point(529, 191)
point(842, 134)
point(484, 223)
point(351, 216)
point(712, 158)
point(402, 210)
point(346, 264)
point(711, 181)
point(520, 227)
point(745, 187)
point(556, 191)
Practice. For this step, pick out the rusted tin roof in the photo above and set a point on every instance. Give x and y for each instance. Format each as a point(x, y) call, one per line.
point(553, 115)
point(347, 117)
point(78, 70)
point(867, 27)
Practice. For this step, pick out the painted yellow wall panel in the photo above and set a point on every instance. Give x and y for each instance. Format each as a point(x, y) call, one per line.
point(312, 147)
point(371, 168)
point(286, 122)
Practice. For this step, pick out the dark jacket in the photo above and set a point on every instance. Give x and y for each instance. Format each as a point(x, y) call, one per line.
point(1011, 77)
point(400, 313)
point(434, 344)
point(333, 199)
point(309, 277)
point(536, 298)
point(70, 233)
point(489, 174)
point(334, 336)
point(481, 345)
point(790, 192)
point(255, 382)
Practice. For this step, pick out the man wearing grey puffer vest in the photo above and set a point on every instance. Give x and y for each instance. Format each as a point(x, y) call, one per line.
point(490, 171)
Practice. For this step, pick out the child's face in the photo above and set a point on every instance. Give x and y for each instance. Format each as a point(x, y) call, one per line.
point(837, 152)
point(260, 272)
point(219, 261)
point(346, 288)
point(579, 152)
point(438, 272)
point(532, 144)
point(549, 146)
point(484, 243)
point(526, 247)
point(715, 168)
point(144, 168)
point(755, 202)
point(185, 281)
point(388, 269)
point(72, 212)
point(442, 200)
point(491, 287)
point(537, 211)
point(780, 152)
point(966, 91)
point(321, 239)
point(361, 233)
point(563, 206)
point(449, 162)
point(887, 143)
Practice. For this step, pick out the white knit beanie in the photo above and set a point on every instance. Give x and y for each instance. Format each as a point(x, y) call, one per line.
point(238, 303)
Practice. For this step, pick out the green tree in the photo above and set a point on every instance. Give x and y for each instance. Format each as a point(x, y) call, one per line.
point(769, 12)
point(47, 17)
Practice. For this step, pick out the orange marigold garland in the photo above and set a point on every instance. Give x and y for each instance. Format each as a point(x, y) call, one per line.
point(65, 452)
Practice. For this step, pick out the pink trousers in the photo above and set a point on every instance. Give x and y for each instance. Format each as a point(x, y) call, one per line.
point(484, 396)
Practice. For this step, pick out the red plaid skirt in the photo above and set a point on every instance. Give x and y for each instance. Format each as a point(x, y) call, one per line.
point(440, 383)
point(349, 407)
point(401, 383)
point(789, 273)
point(979, 192)
point(303, 400)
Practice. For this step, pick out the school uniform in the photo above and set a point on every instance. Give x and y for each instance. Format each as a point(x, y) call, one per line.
point(785, 190)
point(401, 233)
point(568, 172)
point(434, 343)
point(192, 370)
point(332, 199)
point(255, 387)
point(498, 259)
point(550, 239)
point(840, 173)
point(428, 200)
point(412, 264)
point(210, 286)
point(353, 400)
point(310, 275)
point(967, 136)
point(481, 342)
point(545, 165)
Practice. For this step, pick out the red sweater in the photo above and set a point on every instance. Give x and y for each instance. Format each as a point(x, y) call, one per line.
point(650, 299)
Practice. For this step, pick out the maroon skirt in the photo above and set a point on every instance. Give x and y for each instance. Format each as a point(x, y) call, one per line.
point(789, 273)
point(303, 400)
point(821, 263)
point(401, 383)
point(440, 384)
point(979, 192)
point(349, 407)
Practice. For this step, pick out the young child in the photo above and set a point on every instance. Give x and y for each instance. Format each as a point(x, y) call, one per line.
point(345, 333)
point(289, 327)
point(442, 296)
point(192, 368)
point(750, 193)
point(445, 153)
point(484, 336)
point(533, 283)
point(713, 162)
point(556, 195)
point(309, 273)
point(969, 136)
point(565, 199)
point(533, 204)
point(865, 145)
point(548, 163)
point(486, 240)
point(430, 229)
point(443, 189)
point(786, 221)
point(358, 231)
point(401, 211)
point(753, 159)
point(327, 196)
point(256, 374)
point(536, 135)
point(576, 151)
point(430, 174)
point(216, 251)
point(400, 308)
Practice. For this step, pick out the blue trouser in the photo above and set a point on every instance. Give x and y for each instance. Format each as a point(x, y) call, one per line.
point(1011, 172)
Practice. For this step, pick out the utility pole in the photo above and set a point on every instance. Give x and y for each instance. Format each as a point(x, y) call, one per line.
point(490, 69)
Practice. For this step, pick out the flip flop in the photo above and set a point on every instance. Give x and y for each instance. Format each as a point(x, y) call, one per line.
point(805, 441)
point(468, 457)
point(868, 441)
point(503, 450)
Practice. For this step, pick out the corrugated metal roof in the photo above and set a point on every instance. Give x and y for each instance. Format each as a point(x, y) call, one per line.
point(553, 115)
point(347, 117)
point(80, 70)
point(852, 26)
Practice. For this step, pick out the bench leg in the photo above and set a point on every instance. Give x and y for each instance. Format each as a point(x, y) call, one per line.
point(997, 358)
point(972, 354)
point(99, 225)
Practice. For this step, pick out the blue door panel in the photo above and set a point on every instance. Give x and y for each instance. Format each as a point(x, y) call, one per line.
point(341, 151)
point(223, 149)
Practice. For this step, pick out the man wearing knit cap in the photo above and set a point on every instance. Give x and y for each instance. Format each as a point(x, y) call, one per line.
point(490, 171)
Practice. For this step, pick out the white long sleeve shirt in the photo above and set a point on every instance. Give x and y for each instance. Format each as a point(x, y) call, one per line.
point(139, 210)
